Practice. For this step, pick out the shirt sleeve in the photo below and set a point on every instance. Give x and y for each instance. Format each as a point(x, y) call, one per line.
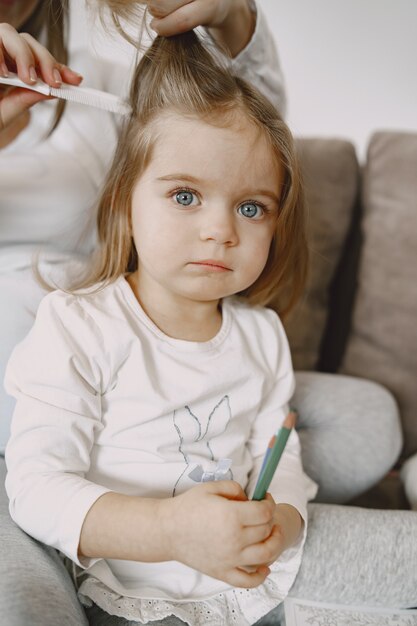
point(258, 63)
point(57, 416)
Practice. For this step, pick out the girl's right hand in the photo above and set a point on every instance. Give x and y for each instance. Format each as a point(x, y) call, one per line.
point(21, 53)
point(214, 529)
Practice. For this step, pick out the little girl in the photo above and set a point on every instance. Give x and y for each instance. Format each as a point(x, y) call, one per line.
point(162, 365)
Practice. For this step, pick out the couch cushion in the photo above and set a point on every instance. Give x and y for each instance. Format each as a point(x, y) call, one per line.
point(331, 178)
point(383, 342)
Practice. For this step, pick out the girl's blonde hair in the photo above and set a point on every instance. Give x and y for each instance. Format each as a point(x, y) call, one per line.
point(179, 74)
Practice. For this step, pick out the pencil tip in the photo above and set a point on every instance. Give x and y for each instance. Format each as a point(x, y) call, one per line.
point(289, 421)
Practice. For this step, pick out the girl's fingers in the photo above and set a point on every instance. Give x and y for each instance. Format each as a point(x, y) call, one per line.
point(248, 579)
point(256, 534)
point(264, 552)
point(228, 489)
point(253, 513)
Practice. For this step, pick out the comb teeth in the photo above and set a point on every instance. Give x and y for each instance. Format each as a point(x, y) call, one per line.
point(92, 97)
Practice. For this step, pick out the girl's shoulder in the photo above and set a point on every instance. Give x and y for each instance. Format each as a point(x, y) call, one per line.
point(253, 313)
point(259, 323)
point(86, 325)
point(67, 343)
point(260, 332)
point(86, 308)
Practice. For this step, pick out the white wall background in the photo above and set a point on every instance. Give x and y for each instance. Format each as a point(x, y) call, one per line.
point(350, 66)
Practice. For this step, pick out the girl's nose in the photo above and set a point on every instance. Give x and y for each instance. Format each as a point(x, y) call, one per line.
point(219, 226)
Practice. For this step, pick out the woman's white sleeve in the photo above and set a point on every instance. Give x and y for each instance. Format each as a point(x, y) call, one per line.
point(57, 375)
point(259, 64)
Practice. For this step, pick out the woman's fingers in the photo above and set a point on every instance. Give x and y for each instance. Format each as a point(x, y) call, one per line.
point(69, 76)
point(180, 21)
point(184, 17)
point(22, 53)
point(17, 54)
point(14, 103)
point(46, 66)
point(49, 69)
point(162, 8)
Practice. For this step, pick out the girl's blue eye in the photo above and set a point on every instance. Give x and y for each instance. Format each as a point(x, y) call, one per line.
point(250, 209)
point(184, 197)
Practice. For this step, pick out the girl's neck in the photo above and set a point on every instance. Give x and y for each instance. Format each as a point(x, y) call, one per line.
point(180, 318)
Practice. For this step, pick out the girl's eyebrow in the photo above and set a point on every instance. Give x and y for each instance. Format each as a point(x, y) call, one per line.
point(196, 181)
point(267, 193)
point(180, 176)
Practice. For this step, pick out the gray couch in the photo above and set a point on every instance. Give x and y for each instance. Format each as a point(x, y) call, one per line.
point(359, 312)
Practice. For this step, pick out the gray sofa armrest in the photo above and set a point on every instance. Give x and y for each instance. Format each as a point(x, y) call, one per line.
point(359, 556)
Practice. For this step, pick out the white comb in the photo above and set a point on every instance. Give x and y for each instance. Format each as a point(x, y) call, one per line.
point(82, 95)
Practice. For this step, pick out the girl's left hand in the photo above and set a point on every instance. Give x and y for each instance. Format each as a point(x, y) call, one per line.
point(231, 21)
point(288, 524)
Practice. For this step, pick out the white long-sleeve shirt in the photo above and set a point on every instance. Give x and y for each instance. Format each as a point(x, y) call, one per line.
point(107, 402)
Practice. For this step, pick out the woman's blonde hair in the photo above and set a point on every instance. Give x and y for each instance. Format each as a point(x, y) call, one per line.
point(179, 74)
point(51, 17)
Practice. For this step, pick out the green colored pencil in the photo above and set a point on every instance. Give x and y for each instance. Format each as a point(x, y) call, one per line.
point(272, 457)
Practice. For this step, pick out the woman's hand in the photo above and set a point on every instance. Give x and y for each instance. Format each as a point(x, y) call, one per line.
point(231, 22)
point(214, 529)
point(21, 53)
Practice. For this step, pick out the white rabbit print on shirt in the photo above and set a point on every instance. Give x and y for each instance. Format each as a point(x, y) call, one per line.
point(196, 435)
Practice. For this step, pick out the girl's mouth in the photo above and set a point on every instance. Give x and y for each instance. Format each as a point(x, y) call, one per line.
point(212, 265)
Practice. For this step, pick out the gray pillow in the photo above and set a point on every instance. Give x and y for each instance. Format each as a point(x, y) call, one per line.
point(331, 177)
point(383, 342)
